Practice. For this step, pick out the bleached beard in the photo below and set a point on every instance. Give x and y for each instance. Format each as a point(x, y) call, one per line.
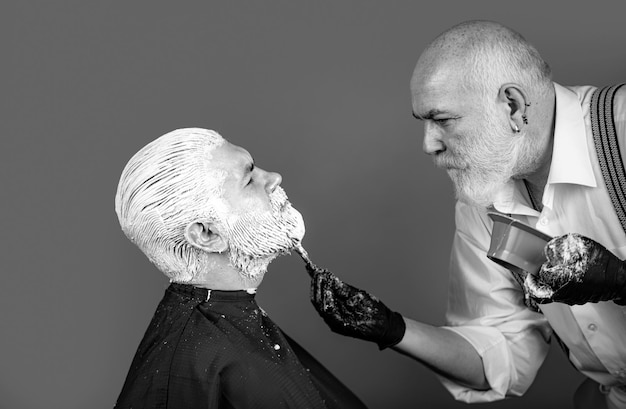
point(257, 238)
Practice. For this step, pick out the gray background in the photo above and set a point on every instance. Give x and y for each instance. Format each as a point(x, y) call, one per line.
point(317, 91)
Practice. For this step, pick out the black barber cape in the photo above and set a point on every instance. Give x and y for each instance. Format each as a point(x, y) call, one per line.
point(224, 353)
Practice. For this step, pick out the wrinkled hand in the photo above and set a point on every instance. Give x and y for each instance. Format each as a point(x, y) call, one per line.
point(353, 312)
point(578, 270)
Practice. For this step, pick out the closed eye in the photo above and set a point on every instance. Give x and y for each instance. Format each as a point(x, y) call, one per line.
point(249, 171)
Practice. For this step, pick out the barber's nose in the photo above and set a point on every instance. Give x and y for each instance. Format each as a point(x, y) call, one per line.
point(274, 180)
point(433, 142)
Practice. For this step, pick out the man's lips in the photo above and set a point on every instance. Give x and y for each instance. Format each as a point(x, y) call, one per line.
point(451, 168)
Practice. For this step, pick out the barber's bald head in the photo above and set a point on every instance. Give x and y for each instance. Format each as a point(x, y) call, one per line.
point(483, 55)
point(486, 98)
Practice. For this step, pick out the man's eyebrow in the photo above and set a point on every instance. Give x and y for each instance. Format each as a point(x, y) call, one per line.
point(430, 114)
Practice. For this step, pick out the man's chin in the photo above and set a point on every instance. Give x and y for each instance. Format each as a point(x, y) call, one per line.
point(481, 195)
point(296, 233)
point(253, 266)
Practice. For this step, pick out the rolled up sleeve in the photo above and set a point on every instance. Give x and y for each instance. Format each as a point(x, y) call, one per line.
point(486, 307)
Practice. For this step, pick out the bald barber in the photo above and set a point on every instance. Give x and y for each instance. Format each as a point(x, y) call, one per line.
point(515, 142)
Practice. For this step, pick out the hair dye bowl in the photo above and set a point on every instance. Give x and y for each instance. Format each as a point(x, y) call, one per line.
point(515, 245)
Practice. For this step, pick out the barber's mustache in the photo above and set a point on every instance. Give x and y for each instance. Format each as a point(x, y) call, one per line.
point(447, 161)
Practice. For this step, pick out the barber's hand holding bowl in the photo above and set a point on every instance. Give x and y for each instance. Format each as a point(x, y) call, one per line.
point(571, 269)
point(578, 270)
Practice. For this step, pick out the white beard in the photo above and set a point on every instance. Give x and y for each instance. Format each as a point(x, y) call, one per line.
point(257, 238)
point(480, 168)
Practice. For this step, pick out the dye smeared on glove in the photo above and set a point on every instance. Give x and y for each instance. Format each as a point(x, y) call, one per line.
point(566, 260)
point(350, 311)
point(578, 270)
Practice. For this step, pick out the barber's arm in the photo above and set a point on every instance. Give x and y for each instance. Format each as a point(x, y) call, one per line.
point(350, 311)
point(578, 270)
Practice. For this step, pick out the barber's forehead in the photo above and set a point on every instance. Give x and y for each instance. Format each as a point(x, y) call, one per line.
point(432, 84)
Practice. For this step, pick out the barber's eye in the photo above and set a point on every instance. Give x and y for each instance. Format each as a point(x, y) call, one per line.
point(249, 182)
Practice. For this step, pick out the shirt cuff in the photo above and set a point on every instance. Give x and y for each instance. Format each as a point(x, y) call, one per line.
point(491, 345)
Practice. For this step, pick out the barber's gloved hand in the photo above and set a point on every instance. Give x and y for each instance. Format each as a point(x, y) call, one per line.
point(578, 270)
point(353, 312)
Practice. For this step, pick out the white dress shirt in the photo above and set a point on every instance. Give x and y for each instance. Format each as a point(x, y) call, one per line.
point(486, 305)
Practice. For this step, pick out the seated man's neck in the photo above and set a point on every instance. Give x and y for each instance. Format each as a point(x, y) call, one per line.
point(225, 277)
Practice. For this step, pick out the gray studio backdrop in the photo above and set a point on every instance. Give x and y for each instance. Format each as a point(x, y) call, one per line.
point(317, 91)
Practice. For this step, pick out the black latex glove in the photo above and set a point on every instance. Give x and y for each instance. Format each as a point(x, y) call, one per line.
point(353, 312)
point(578, 270)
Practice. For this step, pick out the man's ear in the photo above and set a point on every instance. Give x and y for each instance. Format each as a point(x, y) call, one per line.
point(516, 102)
point(204, 237)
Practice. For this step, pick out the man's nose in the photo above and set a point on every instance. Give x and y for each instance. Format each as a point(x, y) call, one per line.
point(273, 180)
point(433, 143)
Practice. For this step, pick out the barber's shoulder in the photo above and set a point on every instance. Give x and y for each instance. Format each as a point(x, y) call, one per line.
point(619, 104)
point(619, 119)
point(583, 92)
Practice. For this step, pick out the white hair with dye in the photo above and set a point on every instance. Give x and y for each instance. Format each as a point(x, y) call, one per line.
point(166, 186)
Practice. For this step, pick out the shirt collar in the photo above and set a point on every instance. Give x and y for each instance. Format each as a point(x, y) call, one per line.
point(570, 157)
point(511, 199)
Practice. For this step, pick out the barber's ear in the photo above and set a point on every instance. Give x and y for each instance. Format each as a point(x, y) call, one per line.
point(516, 102)
point(204, 237)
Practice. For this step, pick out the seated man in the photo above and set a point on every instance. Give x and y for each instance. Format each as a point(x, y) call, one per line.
point(211, 221)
